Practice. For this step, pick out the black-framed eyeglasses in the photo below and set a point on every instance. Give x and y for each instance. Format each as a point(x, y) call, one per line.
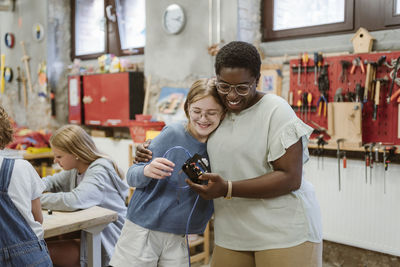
point(241, 89)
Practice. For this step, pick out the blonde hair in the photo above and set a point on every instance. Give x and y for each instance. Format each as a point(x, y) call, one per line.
point(199, 90)
point(6, 129)
point(74, 140)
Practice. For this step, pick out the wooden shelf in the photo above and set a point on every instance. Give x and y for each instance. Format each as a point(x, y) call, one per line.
point(346, 146)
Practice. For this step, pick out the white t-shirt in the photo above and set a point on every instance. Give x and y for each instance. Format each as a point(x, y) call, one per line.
point(25, 186)
point(242, 148)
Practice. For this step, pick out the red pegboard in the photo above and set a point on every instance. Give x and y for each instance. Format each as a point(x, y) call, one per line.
point(384, 129)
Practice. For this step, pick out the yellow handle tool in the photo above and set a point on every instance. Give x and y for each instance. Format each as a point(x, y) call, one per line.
point(2, 66)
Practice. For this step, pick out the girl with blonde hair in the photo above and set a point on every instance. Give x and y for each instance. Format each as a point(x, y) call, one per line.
point(163, 208)
point(89, 179)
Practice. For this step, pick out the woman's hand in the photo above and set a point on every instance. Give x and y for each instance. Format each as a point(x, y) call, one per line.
point(159, 168)
point(216, 187)
point(143, 154)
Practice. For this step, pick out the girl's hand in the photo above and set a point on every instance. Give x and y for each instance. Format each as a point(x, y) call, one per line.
point(216, 187)
point(159, 168)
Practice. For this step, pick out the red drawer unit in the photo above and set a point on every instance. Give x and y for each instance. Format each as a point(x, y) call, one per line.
point(112, 99)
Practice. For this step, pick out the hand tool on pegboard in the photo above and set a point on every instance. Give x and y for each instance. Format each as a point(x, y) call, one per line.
point(320, 149)
point(343, 74)
point(320, 62)
point(321, 105)
point(393, 76)
point(338, 97)
point(359, 91)
point(388, 154)
point(304, 59)
point(371, 161)
point(378, 83)
point(357, 62)
point(309, 102)
point(25, 59)
point(305, 104)
point(370, 77)
point(366, 153)
point(323, 87)
point(299, 69)
point(315, 68)
point(339, 156)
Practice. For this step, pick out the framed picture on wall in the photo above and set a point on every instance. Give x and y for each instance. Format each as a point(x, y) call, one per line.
point(170, 105)
point(271, 79)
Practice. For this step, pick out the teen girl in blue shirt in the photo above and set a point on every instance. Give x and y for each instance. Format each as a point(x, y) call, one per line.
point(158, 214)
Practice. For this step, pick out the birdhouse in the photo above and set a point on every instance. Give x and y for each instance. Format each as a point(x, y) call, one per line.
point(362, 41)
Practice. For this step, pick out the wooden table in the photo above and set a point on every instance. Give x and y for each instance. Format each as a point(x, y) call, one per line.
point(90, 221)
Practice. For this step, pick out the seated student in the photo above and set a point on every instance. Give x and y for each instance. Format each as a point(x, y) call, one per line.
point(21, 240)
point(158, 213)
point(89, 179)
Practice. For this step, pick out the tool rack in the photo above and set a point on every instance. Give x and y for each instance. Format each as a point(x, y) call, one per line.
point(384, 129)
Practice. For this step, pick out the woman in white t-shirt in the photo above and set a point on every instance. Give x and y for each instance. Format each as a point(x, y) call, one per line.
point(20, 209)
point(270, 215)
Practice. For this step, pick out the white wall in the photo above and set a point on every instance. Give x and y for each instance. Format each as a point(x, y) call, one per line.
point(20, 22)
point(361, 214)
point(177, 57)
point(117, 149)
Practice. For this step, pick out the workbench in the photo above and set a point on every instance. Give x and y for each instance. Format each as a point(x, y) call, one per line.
point(90, 221)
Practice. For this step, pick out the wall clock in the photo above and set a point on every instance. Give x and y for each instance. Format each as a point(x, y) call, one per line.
point(174, 19)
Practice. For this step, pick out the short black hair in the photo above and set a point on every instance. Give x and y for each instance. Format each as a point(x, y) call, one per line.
point(238, 54)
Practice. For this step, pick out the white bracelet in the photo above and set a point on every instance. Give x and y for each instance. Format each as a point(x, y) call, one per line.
point(229, 193)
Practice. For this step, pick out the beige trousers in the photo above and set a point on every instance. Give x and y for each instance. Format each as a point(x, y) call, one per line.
point(307, 254)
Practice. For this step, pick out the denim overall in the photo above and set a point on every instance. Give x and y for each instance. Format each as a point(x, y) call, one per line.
point(19, 245)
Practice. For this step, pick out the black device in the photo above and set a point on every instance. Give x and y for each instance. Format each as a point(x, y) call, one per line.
point(194, 167)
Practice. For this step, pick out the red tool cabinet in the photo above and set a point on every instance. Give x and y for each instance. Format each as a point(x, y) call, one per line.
point(110, 99)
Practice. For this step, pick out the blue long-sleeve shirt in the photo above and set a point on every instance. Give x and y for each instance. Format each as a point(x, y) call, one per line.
point(165, 204)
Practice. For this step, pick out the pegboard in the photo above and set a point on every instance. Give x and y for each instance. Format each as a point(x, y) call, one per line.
point(384, 129)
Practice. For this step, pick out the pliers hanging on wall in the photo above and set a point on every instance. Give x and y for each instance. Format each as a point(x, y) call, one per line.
point(357, 62)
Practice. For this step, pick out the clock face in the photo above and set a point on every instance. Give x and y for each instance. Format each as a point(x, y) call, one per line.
point(173, 19)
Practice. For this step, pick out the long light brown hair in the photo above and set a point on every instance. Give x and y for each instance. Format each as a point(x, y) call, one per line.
point(74, 140)
point(199, 90)
point(6, 129)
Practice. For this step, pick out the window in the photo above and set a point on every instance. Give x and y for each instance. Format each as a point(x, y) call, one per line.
point(285, 19)
point(392, 13)
point(294, 14)
point(107, 26)
point(131, 24)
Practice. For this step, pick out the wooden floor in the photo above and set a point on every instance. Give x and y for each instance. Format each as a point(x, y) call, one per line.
point(200, 264)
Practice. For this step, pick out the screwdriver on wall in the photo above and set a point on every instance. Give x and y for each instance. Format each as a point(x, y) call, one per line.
point(299, 70)
point(371, 162)
point(339, 155)
point(366, 146)
point(309, 101)
point(315, 67)
point(305, 62)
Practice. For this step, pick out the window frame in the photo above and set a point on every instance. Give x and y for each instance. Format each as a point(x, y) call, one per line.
point(390, 17)
point(112, 40)
point(369, 14)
